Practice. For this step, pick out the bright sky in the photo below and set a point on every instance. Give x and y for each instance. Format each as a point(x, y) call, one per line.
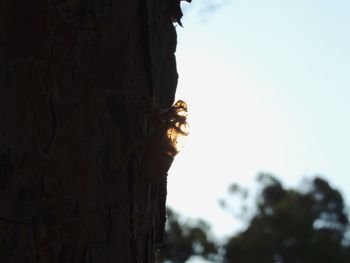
point(268, 89)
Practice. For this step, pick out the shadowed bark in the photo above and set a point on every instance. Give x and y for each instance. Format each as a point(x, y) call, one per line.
point(79, 83)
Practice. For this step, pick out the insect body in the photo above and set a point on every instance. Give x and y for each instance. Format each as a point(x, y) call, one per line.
point(166, 141)
point(178, 128)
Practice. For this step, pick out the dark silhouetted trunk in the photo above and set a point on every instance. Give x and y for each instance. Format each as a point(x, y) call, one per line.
point(80, 81)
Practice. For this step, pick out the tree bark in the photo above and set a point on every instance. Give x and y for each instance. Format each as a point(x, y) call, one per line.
point(79, 83)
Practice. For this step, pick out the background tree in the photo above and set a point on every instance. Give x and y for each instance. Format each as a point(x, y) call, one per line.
point(184, 239)
point(292, 226)
point(83, 88)
point(306, 225)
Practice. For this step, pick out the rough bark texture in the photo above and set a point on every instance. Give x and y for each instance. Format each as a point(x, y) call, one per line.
point(78, 82)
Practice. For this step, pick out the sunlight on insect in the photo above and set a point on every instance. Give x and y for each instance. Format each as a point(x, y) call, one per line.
point(179, 129)
point(181, 108)
point(176, 138)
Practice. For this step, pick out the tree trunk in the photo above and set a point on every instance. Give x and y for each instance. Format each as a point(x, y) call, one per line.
point(81, 85)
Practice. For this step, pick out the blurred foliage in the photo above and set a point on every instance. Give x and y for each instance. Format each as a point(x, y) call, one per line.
point(305, 225)
point(290, 226)
point(185, 239)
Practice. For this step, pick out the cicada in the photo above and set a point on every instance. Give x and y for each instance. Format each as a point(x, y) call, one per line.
point(177, 126)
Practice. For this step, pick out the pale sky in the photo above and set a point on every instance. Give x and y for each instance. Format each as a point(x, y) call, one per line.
point(268, 89)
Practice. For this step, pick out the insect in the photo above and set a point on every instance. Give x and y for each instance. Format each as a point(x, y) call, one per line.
point(170, 131)
point(178, 128)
